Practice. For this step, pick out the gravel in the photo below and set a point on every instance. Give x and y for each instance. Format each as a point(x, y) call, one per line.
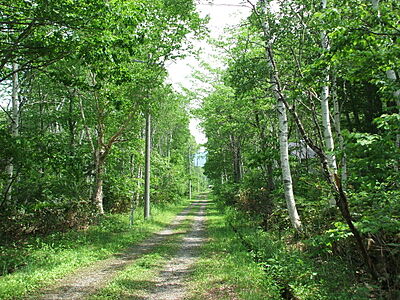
point(170, 284)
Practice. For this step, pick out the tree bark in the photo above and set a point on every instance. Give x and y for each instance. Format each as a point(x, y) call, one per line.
point(326, 123)
point(283, 129)
point(99, 173)
point(102, 150)
point(338, 128)
point(14, 130)
point(236, 156)
point(286, 173)
point(336, 186)
point(334, 181)
point(147, 168)
point(391, 75)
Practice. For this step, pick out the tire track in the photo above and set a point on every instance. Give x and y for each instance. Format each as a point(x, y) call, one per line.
point(170, 284)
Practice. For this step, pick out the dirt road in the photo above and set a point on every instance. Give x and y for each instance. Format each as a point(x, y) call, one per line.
point(170, 282)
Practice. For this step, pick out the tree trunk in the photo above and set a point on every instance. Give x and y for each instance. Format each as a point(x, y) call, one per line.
point(391, 74)
point(14, 130)
point(286, 173)
point(334, 181)
point(326, 123)
point(338, 128)
point(283, 130)
point(100, 154)
point(236, 155)
point(147, 168)
point(98, 183)
point(270, 176)
point(190, 174)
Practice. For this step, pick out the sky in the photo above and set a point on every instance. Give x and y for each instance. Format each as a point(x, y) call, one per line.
point(222, 13)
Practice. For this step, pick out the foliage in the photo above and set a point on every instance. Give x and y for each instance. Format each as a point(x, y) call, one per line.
point(240, 120)
point(88, 73)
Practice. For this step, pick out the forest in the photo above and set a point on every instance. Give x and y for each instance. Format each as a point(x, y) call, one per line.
point(300, 190)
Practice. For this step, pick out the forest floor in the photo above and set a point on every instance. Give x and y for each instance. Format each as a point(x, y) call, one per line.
point(191, 251)
point(193, 256)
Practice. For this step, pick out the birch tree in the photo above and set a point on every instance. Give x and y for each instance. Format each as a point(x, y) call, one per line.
point(391, 75)
point(90, 66)
point(14, 128)
point(283, 122)
point(326, 123)
point(338, 128)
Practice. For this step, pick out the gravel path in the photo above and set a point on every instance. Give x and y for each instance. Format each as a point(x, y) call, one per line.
point(90, 279)
point(170, 283)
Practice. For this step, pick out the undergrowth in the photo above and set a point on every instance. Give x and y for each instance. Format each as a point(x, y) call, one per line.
point(297, 273)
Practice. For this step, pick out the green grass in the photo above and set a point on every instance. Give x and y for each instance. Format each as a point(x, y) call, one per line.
point(225, 269)
point(295, 273)
point(132, 282)
point(43, 260)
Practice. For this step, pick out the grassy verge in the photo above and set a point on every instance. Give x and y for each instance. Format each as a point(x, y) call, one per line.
point(43, 260)
point(226, 270)
point(294, 272)
point(138, 277)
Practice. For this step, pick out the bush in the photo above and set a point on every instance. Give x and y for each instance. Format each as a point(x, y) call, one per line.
point(44, 218)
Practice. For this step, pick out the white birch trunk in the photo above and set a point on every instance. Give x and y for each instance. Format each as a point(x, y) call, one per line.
point(100, 156)
point(326, 123)
point(98, 184)
point(391, 75)
point(286, 173)
point(14, 128)
point(147, 168)
point(283, 132)
point(338, 128)
point(190, 174)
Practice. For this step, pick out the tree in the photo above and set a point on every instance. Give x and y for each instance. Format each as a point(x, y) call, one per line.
point(88, 71)
point(339, 53)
